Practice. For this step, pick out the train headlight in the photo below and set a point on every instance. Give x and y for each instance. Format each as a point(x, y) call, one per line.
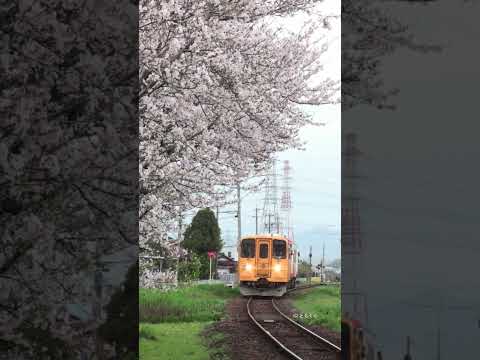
point(248, 267)
point(277, 267)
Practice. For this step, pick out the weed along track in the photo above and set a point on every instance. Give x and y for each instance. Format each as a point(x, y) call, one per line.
point(295, 340)
point(303, 287)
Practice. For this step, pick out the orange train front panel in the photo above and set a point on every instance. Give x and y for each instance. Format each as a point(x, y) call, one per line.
point(279, 271)
point(247, 269)
point(264, 258)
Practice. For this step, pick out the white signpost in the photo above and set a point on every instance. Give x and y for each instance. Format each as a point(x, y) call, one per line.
point(211, 255)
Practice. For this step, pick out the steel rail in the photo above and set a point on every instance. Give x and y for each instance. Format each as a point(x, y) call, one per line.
point(284, 348)
point(315, 335)
point(303, 287)
point(332, 346)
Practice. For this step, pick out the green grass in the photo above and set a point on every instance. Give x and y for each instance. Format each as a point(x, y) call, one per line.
point(319, 306)
point(174, 341)
point(146, 332)
point(189, 304)
point(174, 323)
point(216, 345)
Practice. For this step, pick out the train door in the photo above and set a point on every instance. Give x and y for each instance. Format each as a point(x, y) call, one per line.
point(263, 258)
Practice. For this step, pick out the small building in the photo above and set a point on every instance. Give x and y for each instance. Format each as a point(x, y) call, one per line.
point(226, 264)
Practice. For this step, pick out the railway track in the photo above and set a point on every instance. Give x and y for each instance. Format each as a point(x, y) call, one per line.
point(301, 287)
point(294, 339)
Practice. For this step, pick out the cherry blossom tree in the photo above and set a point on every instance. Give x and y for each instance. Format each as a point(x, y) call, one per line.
point(222, 85)
point(369, 34)
point(66, 155)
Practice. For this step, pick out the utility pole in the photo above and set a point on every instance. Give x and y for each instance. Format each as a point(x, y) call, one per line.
point(322, 268)
point(239, 228)
point(239, 214)
point(217, 213)
point(179, 239)
point(310, 267)
point(210, 276)
point(256, 220)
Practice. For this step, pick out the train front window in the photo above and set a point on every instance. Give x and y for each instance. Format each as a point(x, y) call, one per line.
point(263, 251)
point(248, 248)
point(279, 249)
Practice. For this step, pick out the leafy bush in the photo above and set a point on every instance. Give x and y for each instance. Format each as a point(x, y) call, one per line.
point(190, 270)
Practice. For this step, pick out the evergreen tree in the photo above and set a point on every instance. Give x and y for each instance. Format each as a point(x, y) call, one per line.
point(202, 236)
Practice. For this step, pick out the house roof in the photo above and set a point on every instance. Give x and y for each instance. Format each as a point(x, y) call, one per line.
point(225, 257)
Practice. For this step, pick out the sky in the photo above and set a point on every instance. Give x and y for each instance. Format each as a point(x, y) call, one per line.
point(315, 192)
point(315, 172)
point(424, 153)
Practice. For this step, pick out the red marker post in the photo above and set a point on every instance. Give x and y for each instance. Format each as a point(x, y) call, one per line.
point(211, 255)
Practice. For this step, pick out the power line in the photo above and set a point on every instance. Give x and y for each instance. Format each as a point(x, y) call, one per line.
point(256, 219)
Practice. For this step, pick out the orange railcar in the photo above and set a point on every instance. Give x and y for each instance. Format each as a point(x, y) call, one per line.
point(267, 265)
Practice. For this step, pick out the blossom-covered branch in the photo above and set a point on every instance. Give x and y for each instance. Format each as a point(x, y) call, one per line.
point(221, 85)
